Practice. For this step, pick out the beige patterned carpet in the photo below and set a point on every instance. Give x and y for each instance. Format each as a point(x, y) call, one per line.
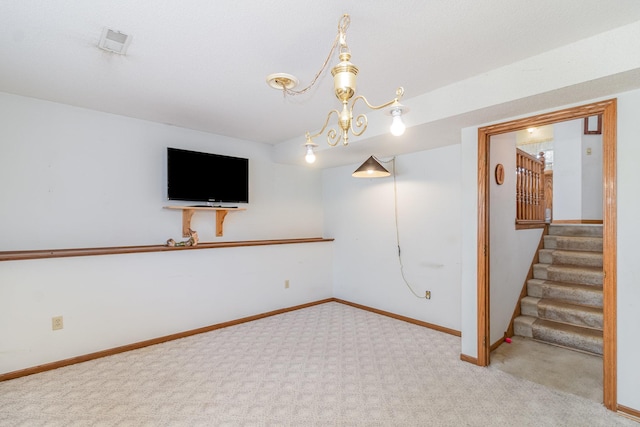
point(327, 365)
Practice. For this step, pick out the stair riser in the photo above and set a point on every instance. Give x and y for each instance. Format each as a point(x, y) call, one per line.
point(576, 230)
point(528, 309)
point(559, 274)
point(522, 329)
point(585, 259)
point(591, 295)
point(589, 244)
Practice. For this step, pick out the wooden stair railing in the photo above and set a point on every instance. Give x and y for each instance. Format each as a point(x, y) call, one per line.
point(530, 202)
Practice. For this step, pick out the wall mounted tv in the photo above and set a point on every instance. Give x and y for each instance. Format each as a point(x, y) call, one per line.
point(204, 177)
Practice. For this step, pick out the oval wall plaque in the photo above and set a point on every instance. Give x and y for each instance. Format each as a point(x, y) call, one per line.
point(499, 174)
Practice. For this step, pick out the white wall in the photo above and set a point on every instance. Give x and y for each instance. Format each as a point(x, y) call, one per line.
point(113, 300)
point(359, 213)
point(577, 175)
point(81, 178)
point(567, 170)
point(628, 234)
point(591, 177)
point(469, 246)
point(628, 238)
point(78, 178)
point(511, 250)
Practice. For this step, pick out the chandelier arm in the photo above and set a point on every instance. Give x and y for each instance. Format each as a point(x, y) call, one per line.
point(361, 123)
point(332, 138)
point(399, 94)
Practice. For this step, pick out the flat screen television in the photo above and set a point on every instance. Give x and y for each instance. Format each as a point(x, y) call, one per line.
point(203, 177)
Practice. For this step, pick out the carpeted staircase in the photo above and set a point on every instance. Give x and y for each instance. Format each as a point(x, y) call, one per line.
point(563, 305)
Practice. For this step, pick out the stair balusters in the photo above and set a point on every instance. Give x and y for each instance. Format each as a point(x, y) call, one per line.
point(530, 204)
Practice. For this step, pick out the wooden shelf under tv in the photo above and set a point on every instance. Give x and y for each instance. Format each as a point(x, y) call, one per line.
point(188, 211)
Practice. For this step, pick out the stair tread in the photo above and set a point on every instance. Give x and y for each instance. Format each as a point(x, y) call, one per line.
point(575, 229)
point(545, 323)
point(572, 329)
point(571, 251)
point(574, 293)
point(581, 243)
point(563, 312)
point(557, 333)
point(588, 268)
point(557, 303)
point(586, 288)
point(550, 302)
point(576, 238)
point(586, 275)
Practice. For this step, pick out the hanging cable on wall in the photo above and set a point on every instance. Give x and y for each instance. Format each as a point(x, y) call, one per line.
point(395, 212)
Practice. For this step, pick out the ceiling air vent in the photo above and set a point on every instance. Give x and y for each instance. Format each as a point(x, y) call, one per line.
point(114, 41)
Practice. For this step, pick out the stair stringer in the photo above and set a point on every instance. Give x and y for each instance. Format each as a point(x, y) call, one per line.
point(517, 311)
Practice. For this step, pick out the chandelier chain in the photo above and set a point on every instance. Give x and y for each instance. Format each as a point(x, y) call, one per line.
point(340, 39)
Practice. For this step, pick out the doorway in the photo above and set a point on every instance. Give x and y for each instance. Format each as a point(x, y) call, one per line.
point(609, 119)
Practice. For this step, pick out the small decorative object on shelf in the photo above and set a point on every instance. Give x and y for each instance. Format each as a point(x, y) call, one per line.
point(192, 241)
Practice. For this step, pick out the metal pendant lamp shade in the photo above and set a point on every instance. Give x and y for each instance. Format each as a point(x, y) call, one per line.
point(371, 169)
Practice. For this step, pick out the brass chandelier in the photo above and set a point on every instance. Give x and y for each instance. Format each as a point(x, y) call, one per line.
point(344, 81)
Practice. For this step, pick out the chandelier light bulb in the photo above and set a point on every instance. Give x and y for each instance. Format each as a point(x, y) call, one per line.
point(397, 125)
point(310, 157)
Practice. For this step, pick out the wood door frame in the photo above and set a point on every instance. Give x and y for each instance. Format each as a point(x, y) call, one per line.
point(608, 109)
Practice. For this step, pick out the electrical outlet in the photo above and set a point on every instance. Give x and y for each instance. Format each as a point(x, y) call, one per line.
point(286, 284)
point(427, 294)
point(56, 323)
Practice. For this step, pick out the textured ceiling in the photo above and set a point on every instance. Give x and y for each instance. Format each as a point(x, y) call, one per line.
point(202, 64)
